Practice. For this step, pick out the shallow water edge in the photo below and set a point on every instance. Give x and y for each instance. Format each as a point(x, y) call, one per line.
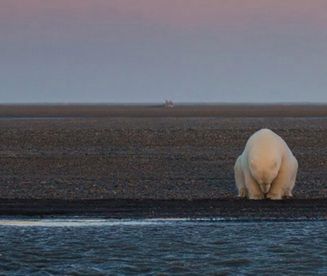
point(75, 246)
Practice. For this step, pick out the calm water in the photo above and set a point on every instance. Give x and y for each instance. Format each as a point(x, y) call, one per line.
point(102, 247)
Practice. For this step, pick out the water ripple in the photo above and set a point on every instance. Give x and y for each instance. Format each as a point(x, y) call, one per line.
point(80, 246)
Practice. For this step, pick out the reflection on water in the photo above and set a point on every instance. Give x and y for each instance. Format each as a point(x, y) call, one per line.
point(85, 222)
point(101, 247)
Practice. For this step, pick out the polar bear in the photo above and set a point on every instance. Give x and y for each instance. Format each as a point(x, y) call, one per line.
point(266, 168)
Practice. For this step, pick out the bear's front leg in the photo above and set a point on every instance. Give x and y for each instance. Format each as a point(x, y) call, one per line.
point(279, 186)
point(274, 196)
point(253, 189)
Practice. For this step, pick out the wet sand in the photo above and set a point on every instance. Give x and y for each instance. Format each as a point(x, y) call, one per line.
point(239, 209)
point(98, 153)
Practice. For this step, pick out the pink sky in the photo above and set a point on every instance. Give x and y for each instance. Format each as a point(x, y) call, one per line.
point(139, 50)
point(174, 13)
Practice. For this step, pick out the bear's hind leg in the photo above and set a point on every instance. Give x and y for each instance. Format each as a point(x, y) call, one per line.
point(285, 181)
point(288, 194)
point(242, 192)
point(289, 189)
point(239, 179)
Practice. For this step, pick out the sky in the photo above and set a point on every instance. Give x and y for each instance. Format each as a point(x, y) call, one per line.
point(132, 51)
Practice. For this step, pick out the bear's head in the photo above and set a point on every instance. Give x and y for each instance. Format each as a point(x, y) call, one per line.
point(264, 172)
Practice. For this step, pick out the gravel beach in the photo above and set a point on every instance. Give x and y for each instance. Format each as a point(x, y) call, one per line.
point(107, 157)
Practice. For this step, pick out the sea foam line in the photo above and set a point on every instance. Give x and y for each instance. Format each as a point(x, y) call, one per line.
point(82, 222)
point(88, 222)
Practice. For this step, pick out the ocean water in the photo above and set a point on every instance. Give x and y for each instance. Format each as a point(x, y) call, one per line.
point(77, 246)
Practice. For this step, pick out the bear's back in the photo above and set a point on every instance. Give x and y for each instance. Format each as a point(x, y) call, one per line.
point(264, 144)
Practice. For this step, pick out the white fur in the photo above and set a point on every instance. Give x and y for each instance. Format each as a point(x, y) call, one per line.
point(266, 168)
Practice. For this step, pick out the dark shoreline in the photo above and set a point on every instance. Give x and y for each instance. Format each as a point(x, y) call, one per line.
point(130, 209)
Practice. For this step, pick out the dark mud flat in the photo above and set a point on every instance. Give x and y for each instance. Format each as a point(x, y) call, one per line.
point(107, 157)
point(223, 208)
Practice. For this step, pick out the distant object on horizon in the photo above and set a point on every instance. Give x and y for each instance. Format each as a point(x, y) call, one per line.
point(169, 104)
